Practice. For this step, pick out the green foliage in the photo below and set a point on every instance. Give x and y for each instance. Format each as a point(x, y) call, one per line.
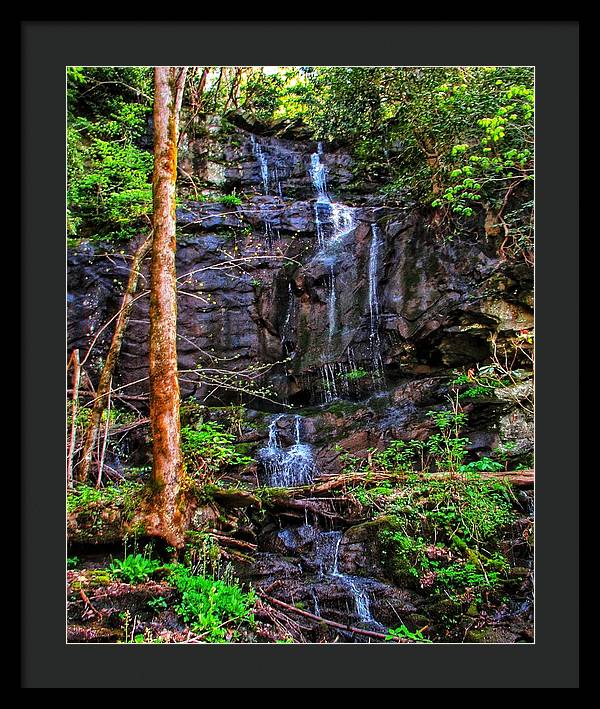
point(72, 562)
point(134, 568)
point(158, 604)
point(441, 532)
point(403, 632)
point(447, 447)
point(355, 374)
point(262, 95)
point(444, 450)
point(208, 447)
point(484, 464)
point(84, 497)
point(115, 416)
point(456, 137)
point(399, 456)
point(368, 496)
point(469, 507)
point(108, 172)
point(231, 199)
point(479, 382)
point(214, 609)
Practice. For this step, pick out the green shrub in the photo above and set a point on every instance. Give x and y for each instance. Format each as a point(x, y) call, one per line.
point(135, 568)
point(208, 448)
point(212, 607)
point(484, 464)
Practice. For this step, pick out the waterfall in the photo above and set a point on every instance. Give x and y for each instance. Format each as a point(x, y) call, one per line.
point(262, 161)
point(318, 175)
point(287, 467)
point(374, 340)
point(327, 550)
point(331, 302)
point(328, 384)
point(333, 221)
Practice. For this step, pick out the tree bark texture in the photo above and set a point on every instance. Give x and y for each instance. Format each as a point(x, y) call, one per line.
point(167, 518)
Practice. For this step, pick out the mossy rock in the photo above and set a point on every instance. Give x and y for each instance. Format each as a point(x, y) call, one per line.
point(363, 548)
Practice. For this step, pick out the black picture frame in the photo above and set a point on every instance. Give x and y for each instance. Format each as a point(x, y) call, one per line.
point(47, 48)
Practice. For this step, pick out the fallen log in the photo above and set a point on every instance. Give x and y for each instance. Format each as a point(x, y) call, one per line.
point(517, 478)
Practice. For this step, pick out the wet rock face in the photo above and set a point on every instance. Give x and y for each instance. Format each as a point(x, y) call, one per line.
point(255, 287)
point(239, 161)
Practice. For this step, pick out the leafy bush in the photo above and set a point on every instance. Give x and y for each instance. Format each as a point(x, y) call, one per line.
point(441, 531)
point(208, 448)
point(213, 608)
point(484, 464)
point(135, 568)
point(108, 171)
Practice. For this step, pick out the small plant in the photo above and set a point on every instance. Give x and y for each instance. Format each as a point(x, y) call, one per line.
point(231, 199)
point(484, 464)
point(447, 447)
point(72, 562)
point(84, 497)
point(135, 568)
point(214, 609)
point(158, 604)
point(404, 633)
point(400, 456)
point(355, 374)
point(208, 447)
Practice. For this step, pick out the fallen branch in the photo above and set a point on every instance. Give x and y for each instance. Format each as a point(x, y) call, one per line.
point(88, 603)
point(330, 623)
point(230, 541)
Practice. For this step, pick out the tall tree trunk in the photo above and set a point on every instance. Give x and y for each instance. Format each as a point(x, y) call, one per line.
point(168, 514)
point(112, 357)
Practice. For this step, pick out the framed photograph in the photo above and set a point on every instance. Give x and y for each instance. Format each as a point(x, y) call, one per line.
point(298, 304)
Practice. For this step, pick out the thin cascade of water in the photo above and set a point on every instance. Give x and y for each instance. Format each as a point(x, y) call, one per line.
point(328, 383)
point(362, 602)
point(317, 608)
point(374, 339)
point(285, 330)
point(333, 221)
point(328, 553)
point(318, 174)
point(287, 467)
point(331, 302)
point(262, 161)
point(297, 428)
point(277, 179)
